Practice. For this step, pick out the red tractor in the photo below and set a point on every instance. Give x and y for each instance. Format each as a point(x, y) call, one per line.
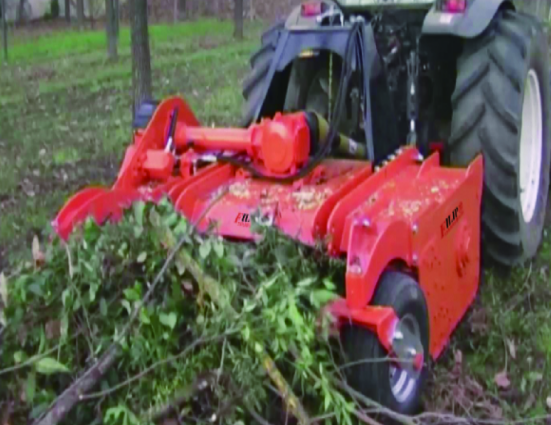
point(403, 135)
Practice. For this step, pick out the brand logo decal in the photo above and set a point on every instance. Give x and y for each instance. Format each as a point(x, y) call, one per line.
point(243, 220)
point(451, 220)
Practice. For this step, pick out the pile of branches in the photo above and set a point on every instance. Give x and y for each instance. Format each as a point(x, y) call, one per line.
point(148, 320)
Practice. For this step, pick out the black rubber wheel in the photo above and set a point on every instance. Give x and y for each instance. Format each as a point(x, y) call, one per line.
point(497, 72)
point(373, 378)
point(261, 60)
point(144, 113)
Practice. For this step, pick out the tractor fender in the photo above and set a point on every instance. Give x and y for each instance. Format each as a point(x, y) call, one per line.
point(470, 24)
point(371, 250)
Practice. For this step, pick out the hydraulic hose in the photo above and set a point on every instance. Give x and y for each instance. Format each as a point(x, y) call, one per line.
point(353, 45)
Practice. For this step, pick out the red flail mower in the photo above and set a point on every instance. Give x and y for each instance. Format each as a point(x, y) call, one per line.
point(410, 220)
point(409, 229)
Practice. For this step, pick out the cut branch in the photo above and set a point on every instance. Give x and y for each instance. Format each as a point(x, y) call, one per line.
point(220, 297)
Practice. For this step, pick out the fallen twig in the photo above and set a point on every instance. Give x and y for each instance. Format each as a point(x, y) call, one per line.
point(71, 396)
point(155, 365)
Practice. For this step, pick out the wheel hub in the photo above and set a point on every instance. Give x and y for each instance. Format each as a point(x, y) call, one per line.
point(409, 356)
point(530, 146)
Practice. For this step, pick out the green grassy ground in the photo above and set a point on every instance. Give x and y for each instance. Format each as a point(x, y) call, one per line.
point(65, 121)
point(65, 111)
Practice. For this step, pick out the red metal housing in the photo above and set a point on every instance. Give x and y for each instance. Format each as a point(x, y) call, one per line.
point(411, 214)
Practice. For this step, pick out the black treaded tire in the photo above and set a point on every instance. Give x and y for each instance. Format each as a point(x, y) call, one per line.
point(487, 118)
point(372, 379)
point(261, 60)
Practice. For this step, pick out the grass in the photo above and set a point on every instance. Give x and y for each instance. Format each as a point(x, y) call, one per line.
point(66, 111)
point(65, 122)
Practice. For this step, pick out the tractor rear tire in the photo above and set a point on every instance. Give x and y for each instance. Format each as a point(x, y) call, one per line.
point(370, 371)
point(501, 108)
point(253, 85)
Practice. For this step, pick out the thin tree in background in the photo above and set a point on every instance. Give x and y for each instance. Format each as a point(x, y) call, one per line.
point(80, 13)
point(141, 57)
point(68, 11)
point(111, 29)
point(4, 29)
point(238, 19)
point(20, 11)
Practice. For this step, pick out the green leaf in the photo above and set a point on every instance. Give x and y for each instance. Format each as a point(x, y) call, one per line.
point(103, 307)
point(50, 366)
point(92, 292)
point(330, 286)
point(142, 257)
point(126, 305)
point(64, 296)
point(219, 249)
point(30, 386)
point(64, 327)
point(181, 228)
point(144, 317)
point(306, 282)
point(131, 294)
point(246, 333)
point(168, 320)
point(139, 208)
point(3, 290)
point(294, 314)
point(323, 296)
point(204, 249)
point(327, 401)
point(172, 219)
point(19, 357)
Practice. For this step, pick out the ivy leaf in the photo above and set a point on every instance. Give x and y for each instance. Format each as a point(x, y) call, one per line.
point(204, 249)
point(169, 320)
point(50, 366)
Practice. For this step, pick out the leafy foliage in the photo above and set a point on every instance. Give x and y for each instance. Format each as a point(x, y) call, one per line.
point(65, 309)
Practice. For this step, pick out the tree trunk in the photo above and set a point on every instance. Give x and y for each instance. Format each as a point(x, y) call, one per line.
point(238, 19)
point(80, 13)
point(68, 11)
point(141, 58)
point(182, 11)
point(117, 17)
point(111, 29)
point(175, 11)
point(4, 29)
point(92, 13)
point(21, 11)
